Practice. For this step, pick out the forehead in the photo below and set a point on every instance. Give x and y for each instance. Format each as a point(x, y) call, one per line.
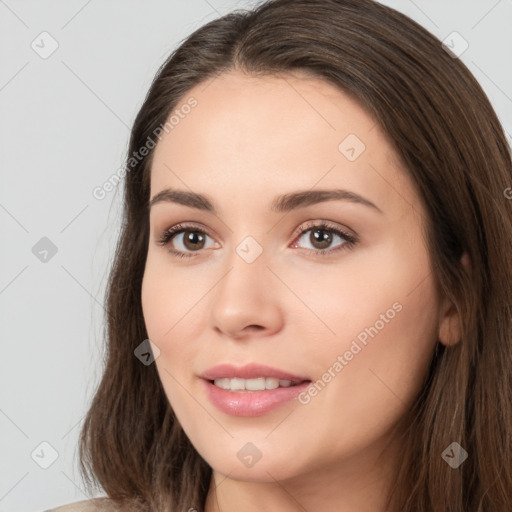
point(273, 134)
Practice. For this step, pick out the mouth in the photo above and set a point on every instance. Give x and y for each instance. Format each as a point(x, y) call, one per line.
point(251, 377)
point(254, 384)
point(251, 390)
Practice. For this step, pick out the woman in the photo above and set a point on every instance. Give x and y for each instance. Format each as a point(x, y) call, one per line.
point(310, 304)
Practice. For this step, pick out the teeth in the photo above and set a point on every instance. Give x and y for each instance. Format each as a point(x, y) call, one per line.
point(237, 384)
point(258, 384)
point(222, 383)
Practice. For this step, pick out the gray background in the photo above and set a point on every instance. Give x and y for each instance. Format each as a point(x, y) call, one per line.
point(64, 127)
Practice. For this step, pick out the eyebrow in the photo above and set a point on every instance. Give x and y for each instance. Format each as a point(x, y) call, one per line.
point(280, 204)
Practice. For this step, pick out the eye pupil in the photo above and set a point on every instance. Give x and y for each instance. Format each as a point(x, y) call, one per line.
point(324, 240)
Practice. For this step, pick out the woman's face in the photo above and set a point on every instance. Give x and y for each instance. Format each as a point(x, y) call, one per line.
point(350, 308)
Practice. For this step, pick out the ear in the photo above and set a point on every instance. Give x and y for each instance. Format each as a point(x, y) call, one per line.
point(449, 321)
point(449, 325)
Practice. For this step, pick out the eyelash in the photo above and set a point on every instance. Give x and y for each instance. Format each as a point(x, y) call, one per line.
point(350, 240)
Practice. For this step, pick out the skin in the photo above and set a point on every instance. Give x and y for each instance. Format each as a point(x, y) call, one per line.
point(254, 138)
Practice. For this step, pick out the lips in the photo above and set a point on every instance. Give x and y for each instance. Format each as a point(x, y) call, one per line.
point(250, 371)
point(239, 390)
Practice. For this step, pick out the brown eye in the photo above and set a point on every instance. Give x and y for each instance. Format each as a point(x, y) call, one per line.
point(193, 240)
point(184, 241)
point(322, 237)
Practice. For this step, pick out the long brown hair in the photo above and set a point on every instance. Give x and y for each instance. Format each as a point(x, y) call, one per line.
point(447, 136)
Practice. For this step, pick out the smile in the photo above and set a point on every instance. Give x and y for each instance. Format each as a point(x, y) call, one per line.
point(256, 384)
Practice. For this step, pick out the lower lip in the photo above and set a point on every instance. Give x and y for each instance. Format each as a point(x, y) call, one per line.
point(251, 403)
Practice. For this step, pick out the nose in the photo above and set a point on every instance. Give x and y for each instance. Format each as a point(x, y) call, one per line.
point(244, 302)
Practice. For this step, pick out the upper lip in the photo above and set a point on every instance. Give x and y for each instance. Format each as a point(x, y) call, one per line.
point(248, 371)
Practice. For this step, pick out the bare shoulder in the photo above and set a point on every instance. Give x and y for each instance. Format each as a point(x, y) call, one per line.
point(93, 505)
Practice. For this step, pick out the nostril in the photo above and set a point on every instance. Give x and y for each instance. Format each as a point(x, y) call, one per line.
point(256, 327)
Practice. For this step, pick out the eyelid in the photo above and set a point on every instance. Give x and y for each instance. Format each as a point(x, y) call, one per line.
point(315, 223)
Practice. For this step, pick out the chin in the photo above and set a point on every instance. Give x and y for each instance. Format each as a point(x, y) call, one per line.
point(245, 463)
point(260, 472)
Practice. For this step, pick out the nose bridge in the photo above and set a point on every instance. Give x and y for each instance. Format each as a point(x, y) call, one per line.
point(247, 274)
point(242, 297)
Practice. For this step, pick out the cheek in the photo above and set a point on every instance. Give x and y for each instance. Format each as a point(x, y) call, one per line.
point(384, 317)
point(170, 328)
point(169, 297)
point(173, 301)
point(385, 355)
point(370, 374)
point(163, 305)
point(382, 290)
